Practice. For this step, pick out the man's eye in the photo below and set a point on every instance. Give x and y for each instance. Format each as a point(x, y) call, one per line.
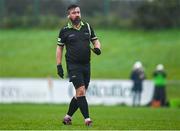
point(75, 12)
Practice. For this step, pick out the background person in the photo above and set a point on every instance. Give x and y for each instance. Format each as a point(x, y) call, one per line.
point(137, 76)
point(159, 77)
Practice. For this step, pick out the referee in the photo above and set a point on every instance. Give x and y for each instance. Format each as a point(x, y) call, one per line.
point(76, 37)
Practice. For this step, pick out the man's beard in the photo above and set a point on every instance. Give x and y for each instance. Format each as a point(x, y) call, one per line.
point(76, 21)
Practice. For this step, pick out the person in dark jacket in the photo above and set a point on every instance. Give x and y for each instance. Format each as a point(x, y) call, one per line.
point(137, 76)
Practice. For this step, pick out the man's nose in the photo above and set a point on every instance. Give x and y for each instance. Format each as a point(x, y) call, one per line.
point(77, 14)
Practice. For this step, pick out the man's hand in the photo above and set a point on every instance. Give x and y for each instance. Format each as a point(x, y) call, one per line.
point(97, 51)
point(60, 70)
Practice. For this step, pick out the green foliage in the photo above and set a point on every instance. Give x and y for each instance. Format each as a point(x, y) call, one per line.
point(31, 53)
point(148, 14)
point(44, 22)
point(51, 22)
point(112, 21)
point(175, 103)
point(48, 117)
point(159, 14)
point(173, 91)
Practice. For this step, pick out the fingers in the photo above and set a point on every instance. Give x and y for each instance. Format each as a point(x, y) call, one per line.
point(60, 71)
point(97, 51)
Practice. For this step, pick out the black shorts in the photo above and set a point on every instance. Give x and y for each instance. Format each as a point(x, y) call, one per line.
point(79, 74)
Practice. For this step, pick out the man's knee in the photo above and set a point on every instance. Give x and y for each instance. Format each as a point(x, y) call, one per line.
point(80, 91)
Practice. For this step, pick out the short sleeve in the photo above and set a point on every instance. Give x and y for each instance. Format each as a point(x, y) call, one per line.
point(61, 38)
point(93, 36)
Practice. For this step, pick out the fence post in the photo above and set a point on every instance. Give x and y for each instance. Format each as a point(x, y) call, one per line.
point(2, 8)
point(36, 8)
point(106, 7)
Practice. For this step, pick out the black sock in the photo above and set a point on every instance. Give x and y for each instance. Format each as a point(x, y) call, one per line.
point(83, 105)
point(73, 106)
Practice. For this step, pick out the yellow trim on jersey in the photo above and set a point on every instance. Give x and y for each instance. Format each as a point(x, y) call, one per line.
point(70, 25)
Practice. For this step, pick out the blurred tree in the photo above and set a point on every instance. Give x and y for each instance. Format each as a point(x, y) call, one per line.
point(91, 7)
point(148, 14)
point(159, 14)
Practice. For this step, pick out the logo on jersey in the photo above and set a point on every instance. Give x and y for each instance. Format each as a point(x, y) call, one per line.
point(73, 76)
point(71, 35)
point(86, 33)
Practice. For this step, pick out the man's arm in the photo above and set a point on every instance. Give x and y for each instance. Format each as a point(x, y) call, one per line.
point(97, 47)
point(59, 53)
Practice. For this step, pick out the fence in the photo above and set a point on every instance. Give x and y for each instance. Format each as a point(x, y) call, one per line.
point(109, 92)
point(28, 13)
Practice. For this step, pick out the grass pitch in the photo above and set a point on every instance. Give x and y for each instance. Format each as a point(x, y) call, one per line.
point(44, 116)
point(31, 53)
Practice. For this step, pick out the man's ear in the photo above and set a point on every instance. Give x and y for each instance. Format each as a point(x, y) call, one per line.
point(68, 16)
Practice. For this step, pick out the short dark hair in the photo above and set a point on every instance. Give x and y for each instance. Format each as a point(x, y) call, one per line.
point(72, 6)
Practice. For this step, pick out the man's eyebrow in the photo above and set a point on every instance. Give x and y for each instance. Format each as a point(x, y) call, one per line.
point(75, 11)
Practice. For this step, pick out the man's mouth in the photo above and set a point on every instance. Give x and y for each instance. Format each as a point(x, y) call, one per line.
point(76, 21)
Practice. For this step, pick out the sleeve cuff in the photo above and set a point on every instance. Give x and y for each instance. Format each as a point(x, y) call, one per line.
point(60, 44)
point(94, 38)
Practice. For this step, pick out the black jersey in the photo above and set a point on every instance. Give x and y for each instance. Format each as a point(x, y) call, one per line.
point(77, 43)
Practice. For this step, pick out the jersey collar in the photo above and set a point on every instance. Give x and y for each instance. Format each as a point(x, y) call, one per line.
point(70, 25)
